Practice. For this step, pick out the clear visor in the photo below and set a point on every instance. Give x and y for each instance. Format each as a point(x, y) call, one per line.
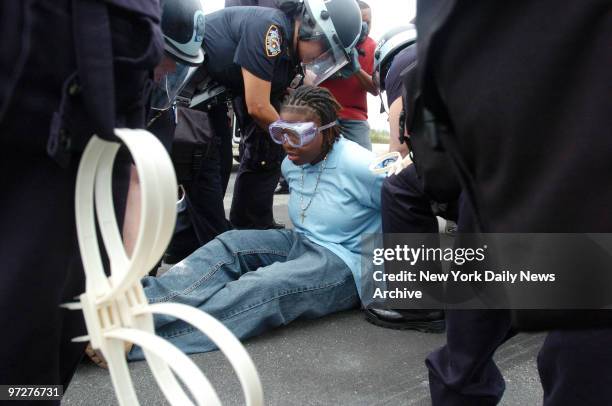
point(170, 78)
point(323, 66)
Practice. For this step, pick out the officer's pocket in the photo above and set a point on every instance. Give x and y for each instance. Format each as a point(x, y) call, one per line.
point(137, 48)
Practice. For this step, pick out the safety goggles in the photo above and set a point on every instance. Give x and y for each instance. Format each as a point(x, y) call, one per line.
point(296, 134)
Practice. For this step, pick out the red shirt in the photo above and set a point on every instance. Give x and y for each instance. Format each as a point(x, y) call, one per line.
point(349, 93)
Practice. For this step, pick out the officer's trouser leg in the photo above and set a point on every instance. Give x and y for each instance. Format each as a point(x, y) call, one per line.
point(254, 198)
point(204, 196)
point(257, 176)
point(39, 272)
point(576, 367)
point(463, 372)
point(404, 206)
point(220, 123)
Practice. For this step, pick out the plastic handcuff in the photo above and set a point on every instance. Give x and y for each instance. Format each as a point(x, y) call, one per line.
point(391, 163)
point(115, 307)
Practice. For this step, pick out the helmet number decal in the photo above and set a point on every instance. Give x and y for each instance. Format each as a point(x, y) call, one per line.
point(273, 41)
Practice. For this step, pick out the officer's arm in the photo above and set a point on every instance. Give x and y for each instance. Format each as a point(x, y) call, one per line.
point(366, 82)
point(257, 97)
point(395, 110)
point(364, 75)
point(132, 212)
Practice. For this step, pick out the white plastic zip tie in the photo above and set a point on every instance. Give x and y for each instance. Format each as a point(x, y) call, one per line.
point(115, 308)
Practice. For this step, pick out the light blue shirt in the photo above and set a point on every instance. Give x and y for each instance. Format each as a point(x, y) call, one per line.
point(345, 205)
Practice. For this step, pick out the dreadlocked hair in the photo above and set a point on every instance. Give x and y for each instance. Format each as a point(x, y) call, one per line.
point(319, 102)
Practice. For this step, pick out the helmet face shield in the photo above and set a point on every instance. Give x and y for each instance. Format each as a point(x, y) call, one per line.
point(170, 78)
point(317, 25)
point(323, 66)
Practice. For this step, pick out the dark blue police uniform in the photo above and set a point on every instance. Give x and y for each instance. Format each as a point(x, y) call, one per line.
point(259, 40)
point(393, 80)
point(529, 99)
point(202, 177)
point(406, 207)
point(41, 93)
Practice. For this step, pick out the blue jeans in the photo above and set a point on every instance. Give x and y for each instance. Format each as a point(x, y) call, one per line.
point(357, 131)
point(252, 281)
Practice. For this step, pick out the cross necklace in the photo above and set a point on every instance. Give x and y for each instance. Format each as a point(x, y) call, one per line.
point(302, 207)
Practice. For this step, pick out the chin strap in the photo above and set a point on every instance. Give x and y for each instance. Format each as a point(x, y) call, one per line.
point(115, 308)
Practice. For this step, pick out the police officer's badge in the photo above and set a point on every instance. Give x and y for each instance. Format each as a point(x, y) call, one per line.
point(273, 41)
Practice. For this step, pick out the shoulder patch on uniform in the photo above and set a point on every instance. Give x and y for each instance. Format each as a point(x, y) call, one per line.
point(273, 41)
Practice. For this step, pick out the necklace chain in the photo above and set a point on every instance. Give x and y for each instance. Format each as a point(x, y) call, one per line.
point(302, 207)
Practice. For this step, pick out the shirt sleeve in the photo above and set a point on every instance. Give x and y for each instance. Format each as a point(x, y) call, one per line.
point(375, 190)
point(393, 80)
point(260, 47)
point(368, 184)
point(393, 87)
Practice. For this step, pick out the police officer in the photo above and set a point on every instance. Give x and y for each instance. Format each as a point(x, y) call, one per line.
point(67, 70)
point(524, 89)
point(405, 207)
point(183, 26)
point(255, 53)
point(395, 52)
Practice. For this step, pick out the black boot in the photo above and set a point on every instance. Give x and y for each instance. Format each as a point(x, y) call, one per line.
point(426, 321)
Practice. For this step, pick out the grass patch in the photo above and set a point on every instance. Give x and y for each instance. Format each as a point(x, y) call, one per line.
point(379, 136)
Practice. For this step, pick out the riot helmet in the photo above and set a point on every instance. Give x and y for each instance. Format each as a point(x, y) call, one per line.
point(387, 48)
point(182, 24)
point(336, 25)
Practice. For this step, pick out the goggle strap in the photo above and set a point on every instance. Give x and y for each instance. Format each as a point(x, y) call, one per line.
point(326, 126)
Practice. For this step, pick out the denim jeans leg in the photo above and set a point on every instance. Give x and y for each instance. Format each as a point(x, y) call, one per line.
point(313, 282)
point(201, 275)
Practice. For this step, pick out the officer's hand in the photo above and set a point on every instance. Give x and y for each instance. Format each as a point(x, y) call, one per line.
point(364, 32)
point(398, 166)
point(350, 68)
point(309, 78)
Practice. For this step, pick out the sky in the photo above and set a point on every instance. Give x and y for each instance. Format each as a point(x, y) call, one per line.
point(386, 14)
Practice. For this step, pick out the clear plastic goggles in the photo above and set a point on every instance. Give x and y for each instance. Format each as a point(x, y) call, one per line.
point(296, 134)
point(170, 78)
